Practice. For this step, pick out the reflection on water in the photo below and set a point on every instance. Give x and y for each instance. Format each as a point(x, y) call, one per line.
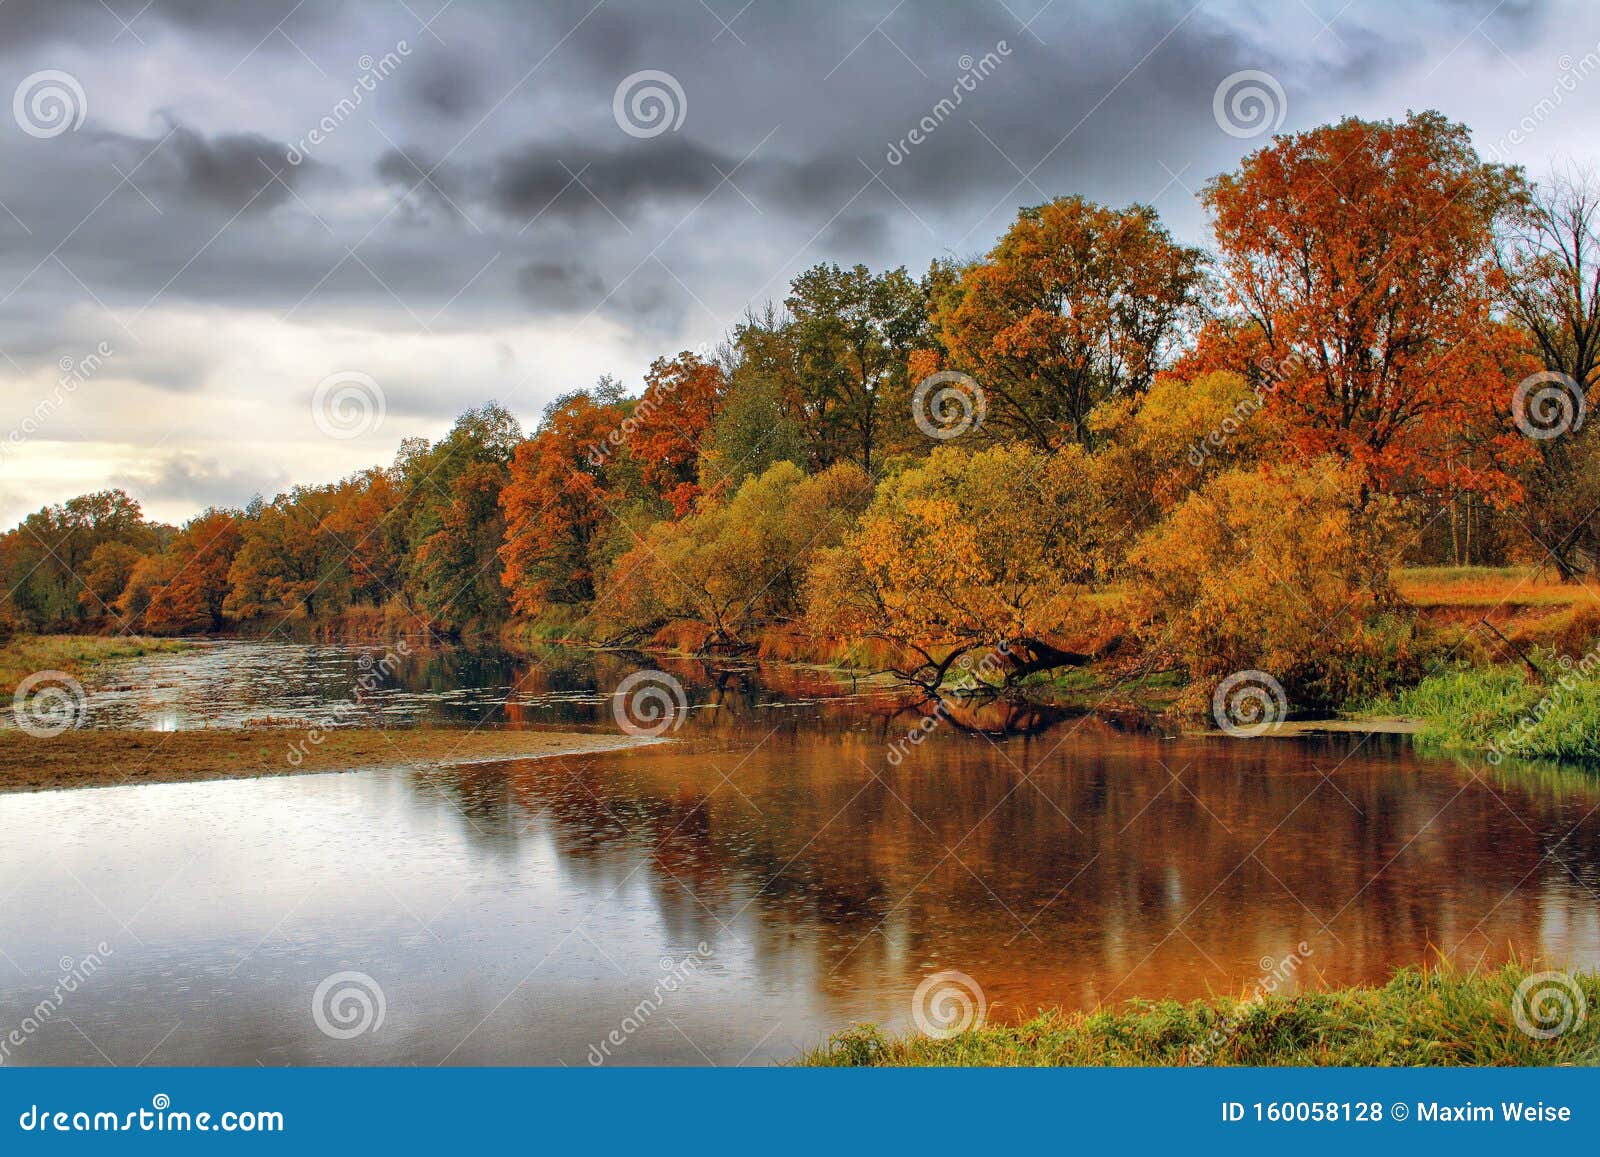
point(532, 912)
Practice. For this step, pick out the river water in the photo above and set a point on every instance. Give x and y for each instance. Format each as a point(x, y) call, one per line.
point(786, 864)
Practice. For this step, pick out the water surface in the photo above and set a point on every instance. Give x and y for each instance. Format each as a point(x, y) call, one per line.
point(733, 896)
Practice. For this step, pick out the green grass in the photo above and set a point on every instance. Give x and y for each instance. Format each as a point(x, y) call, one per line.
point(1503, 710)
point(1418, 1018)
point(74, 654)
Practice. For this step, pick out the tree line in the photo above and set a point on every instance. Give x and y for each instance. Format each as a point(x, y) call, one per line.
point(1383, 357)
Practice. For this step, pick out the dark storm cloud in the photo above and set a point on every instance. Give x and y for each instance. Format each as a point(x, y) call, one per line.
point(487, 182)
point(560, 285)
point(239, 172)
point(448, 84)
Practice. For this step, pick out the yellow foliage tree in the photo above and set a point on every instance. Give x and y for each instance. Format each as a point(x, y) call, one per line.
point(1157, 448)
point(967, 553)
point(733, 565)
point(1277, 570)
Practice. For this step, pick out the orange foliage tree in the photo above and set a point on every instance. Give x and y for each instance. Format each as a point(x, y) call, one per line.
point(1361, 255)
point(669, 424)
point(555, 503)
point(1076, 303)
point(193, 576)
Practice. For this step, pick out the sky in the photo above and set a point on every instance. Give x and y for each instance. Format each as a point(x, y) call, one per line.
point(248, 246)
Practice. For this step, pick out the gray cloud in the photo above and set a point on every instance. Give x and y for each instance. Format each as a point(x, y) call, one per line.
point(540, 210)
point(200, 482)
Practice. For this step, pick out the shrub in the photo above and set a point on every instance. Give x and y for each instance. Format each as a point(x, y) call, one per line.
point(1278, 570)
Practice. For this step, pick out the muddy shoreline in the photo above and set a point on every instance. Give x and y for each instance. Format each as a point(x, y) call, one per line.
point(109, 758)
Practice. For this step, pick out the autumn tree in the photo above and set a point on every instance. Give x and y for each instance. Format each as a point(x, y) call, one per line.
point(1360, 256)
point(669, 425)
point(287, 565)
point(1157, 447)
point(984, 552)
point(187, 585)
point(555, 501)
point(1078, 302)
point(44, 560)
point(368, 520)
point(1281, 569)
point(733, 565)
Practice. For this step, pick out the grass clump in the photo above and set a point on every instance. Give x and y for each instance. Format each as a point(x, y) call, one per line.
point(1419, 1017)
point(22, 655)
point(1506, 712)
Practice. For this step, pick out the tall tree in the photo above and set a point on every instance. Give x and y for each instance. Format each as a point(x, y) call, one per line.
point(669, 424)
point(555, 501)
point(1549, 258)
point(1361, 254)
point(853, 331)
point(456, 527)
point(1077, 302)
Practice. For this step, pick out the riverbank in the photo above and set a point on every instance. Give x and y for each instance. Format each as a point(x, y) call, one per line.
point(1418, 1018)
point(87, 758)
point(74, 654)
point(1505, 712)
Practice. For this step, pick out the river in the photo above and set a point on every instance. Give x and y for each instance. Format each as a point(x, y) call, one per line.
point(786, 863)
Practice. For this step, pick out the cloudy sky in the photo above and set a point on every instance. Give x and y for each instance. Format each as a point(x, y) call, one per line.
point(209, 210)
